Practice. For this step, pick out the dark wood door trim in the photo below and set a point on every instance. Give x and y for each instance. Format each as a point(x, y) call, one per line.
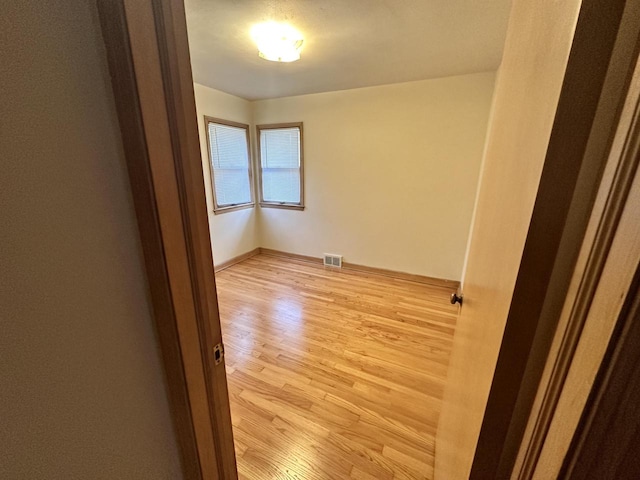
point(175, 59)
point(118, 53)
point(148, 56)
point(605, 445)
point(626, 165)
point(597, 78)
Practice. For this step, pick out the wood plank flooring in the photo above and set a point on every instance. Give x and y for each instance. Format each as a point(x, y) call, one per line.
point(332, 374)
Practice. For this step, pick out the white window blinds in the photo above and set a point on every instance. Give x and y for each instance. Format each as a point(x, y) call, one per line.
point(280, 165)
point(230, 164)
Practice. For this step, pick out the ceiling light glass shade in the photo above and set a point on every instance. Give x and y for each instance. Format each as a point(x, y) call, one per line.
point(277, 42)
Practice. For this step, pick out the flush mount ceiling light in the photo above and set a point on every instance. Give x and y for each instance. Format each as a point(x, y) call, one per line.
point(277, 42)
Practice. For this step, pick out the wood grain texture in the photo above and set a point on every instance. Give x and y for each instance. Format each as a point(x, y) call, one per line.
point(333, 374)
point(452, 285)
point(587, 113)
point(605, 215)
point(535, 56)
point(238, 259)
point(158, 212)
point(149, 64)
point(614, 400)
point(612, 286)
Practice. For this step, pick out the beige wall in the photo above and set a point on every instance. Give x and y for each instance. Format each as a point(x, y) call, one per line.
point(390, 173)
point(82, 390)
point(420, 141)
point(232, 233)
point(528, 87)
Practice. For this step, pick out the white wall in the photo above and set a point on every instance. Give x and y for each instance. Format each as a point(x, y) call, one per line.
point(82, 390)
point(232, 233)
point(390, 173)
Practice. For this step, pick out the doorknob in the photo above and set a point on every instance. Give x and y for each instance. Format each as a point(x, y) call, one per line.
point(455, 298)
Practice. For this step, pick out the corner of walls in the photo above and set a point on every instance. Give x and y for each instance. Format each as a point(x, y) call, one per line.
point(232, 233)
point(422, 142)
point(434, 130)
point(259, 217)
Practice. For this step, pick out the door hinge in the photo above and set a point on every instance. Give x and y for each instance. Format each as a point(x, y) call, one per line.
point(218, 353)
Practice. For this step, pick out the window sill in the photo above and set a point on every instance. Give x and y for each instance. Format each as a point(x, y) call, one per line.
point(286, 206)
point(232, 208)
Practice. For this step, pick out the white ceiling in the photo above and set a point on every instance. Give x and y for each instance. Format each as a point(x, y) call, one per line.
point(348, 43)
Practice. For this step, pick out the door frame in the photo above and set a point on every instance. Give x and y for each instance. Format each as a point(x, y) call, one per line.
point(148, 57)
point(605, 51)
point(603, 277)
point(614, 399)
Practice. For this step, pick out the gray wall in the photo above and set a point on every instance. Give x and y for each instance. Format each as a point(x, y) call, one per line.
point(82, 392)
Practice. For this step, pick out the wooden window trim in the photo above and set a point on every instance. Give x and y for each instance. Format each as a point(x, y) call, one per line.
point(284, 205)
point(217, 208)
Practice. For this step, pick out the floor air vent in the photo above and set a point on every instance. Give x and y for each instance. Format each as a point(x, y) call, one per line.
point(331, 260)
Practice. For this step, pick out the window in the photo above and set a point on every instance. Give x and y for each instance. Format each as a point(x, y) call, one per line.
point(231, 174)
point(281, 166)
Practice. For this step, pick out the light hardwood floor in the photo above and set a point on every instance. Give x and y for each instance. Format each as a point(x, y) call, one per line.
point(332, 374)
